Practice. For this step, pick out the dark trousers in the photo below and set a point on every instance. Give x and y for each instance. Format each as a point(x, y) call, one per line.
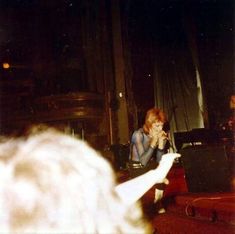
point(136, 169)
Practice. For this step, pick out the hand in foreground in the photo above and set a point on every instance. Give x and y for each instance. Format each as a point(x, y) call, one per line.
point(169, 158)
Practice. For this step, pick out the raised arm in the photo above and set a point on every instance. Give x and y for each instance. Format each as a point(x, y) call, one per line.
point(132, 190)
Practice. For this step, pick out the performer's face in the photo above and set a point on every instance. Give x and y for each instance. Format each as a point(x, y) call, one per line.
point(157, 126)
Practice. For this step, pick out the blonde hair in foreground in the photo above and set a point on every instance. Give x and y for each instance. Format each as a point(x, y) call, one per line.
point(52, 182)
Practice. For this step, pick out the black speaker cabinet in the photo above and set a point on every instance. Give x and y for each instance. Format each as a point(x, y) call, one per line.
point(206, 168)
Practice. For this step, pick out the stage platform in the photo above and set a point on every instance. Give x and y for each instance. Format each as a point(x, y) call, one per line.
point(193, 213)
point(196, 213)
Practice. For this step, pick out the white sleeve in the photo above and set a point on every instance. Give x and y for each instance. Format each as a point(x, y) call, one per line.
point(132, 190)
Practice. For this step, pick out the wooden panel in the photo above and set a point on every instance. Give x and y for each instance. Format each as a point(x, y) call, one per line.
point(80, 114)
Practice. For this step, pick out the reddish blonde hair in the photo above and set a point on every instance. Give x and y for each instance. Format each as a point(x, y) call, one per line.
point(153, 115)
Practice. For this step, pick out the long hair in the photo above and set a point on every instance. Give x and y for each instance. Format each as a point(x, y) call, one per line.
point(153, 115)
point(54, 183)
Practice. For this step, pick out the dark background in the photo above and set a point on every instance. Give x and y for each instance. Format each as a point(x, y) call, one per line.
point(44, 42)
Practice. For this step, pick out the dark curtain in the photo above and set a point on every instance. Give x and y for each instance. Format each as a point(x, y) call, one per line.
point(177, 91)
point(187, 49)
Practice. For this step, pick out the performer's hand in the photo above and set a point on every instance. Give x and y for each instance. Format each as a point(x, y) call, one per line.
point(158, 138)
point(162, 139)
point(154, 138)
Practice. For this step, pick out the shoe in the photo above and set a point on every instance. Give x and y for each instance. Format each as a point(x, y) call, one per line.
point(161, 211)
point(166, 181)
point(158, 195)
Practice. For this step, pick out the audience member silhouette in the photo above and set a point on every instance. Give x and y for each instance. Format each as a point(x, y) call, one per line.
point(54, 183)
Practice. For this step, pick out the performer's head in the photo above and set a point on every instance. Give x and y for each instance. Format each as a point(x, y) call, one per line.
point(155, 118)
point(54, 183)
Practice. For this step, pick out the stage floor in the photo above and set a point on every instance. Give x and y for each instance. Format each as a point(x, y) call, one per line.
point(186, 212)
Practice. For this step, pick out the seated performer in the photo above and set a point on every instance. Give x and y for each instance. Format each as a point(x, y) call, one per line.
point(55, 183)
point(148, 143)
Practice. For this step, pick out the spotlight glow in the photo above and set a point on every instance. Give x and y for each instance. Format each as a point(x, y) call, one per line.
point(6, 65)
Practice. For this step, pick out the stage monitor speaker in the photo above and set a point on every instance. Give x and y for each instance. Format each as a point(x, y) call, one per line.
point(206, 168)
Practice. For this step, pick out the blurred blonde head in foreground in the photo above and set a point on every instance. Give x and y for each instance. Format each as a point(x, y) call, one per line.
point(54, 183)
